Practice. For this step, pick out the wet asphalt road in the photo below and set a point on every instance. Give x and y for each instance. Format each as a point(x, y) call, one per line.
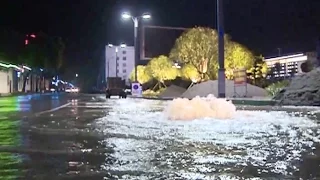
point(41, 138)
point(59, 136)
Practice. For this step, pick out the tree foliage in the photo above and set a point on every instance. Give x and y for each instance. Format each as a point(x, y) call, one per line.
point(143, 76)
point(306, 66)
point(198, 45)
point(190, 72)
point(258, 72)
point(237, 56)
point(161, 69)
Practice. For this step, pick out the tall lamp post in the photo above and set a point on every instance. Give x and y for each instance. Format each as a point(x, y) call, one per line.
point(122, 45)
point(221, 72)
point(135, 20)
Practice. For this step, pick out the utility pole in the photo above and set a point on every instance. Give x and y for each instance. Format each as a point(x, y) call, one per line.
point(221, 72)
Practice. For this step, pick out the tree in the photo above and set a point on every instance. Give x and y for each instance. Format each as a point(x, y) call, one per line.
point(237, 56)
point(196, 46)
point(199, 47)
point(34, 55)
point(59, 48)
point(258, 72)
point(161, 69)
point(306, 66)
point(42, 52)
point(143, 75)
point(190, 73)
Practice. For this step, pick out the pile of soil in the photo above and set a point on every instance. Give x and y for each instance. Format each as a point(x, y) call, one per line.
point(172, 91)
point(211, 87)
point(303, 90)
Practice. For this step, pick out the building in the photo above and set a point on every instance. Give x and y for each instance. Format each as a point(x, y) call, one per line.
point(8, 78)
point(12, 79)
point(288, 65)
point(119, 61)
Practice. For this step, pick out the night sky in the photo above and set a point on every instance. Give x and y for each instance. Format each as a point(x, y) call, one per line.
point(262, 25)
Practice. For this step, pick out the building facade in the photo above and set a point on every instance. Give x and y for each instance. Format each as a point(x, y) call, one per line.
point(12, 80)
point(289, 65)
point(119, 62)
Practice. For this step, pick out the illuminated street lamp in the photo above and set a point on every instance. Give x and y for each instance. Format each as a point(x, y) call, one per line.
point(123, 45)
point(135, 20)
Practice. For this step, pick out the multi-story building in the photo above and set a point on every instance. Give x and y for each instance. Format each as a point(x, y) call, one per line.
point(285, 66)
point(119, 61)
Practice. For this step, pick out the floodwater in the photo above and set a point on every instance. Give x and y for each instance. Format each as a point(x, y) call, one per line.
point(94, 138)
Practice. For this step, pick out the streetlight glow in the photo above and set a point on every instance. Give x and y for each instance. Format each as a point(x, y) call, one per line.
point(126, 15)
point(135, 20)
point(146, 16)
point(122, 45)
point(110, 45)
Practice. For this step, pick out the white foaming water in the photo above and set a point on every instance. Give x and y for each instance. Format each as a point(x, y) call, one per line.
point(197, 108)
point(271, 144)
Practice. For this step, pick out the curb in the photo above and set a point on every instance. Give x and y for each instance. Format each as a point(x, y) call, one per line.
point(253, 102)
point(248, 102)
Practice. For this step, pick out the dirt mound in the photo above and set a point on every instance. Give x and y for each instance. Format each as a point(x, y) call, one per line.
point(172, 91)
point(211, 87)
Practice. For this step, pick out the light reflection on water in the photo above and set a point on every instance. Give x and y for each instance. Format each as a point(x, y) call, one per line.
point(255, 144)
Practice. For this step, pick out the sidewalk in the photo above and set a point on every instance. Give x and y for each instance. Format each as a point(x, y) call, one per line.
point(23, 94)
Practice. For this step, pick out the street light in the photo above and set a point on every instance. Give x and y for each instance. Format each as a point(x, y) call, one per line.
point(146, 16)
point(122, 45)
point(135, 20)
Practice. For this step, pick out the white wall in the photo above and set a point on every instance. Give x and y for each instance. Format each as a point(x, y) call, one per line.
point(3, 82)
point(10, 80)
point(5, 79)
point(125, 61)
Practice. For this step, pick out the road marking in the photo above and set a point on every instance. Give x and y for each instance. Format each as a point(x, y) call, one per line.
point(86, 106)
point(54, 109)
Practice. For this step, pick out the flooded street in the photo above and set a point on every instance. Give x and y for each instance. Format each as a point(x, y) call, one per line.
point(88, 137)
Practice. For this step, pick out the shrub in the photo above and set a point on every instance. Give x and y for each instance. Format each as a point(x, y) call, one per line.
point(306, 66)
point(275, 88)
